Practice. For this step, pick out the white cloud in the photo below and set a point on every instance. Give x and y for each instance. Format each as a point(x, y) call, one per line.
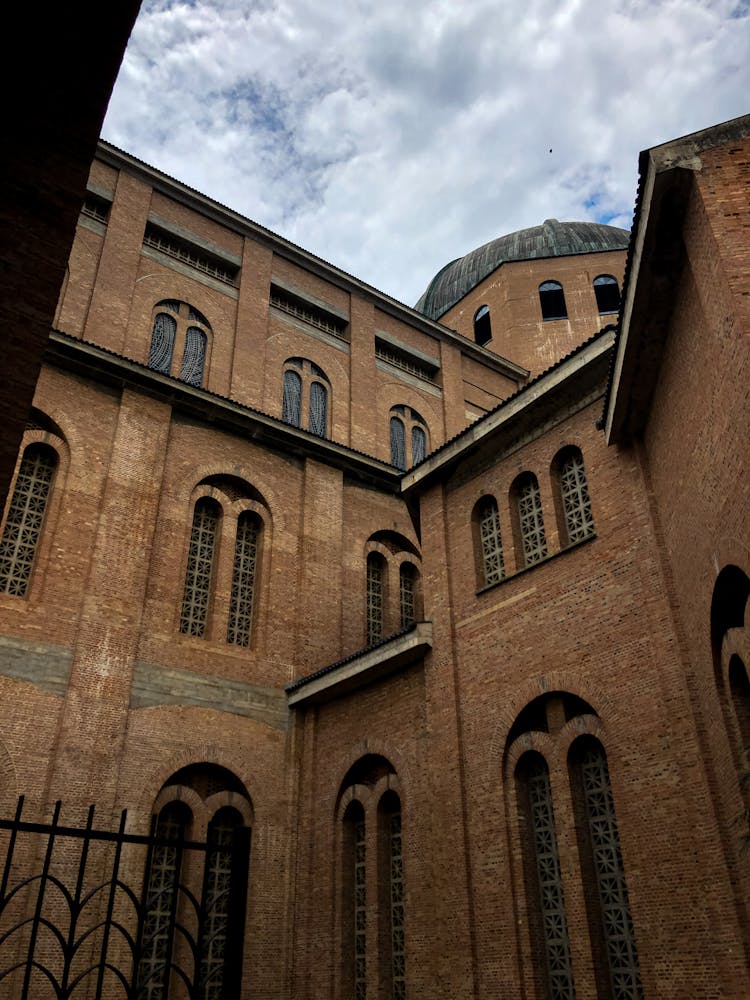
point(390, 138)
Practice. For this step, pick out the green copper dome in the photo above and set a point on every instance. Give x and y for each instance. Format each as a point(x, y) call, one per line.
point(551, 239)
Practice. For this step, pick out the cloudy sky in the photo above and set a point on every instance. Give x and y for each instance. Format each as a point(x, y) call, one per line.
point(391, 137)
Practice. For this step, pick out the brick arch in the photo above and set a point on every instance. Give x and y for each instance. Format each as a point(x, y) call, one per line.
point(365, 748)
point(190, 482)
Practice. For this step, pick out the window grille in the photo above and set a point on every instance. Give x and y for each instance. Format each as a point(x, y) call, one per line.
point(398, 443)
point(162, 342)
point(404, 362)
point(291, 404)
point(607, 294)
point(199, 568)
point(318, 423)
point(194, 358)
point(614, 905)
point(492, 546)
point(374, 599)
point(360, 914)
point(239, 630)
point(574, 491)
point(163, 879)
point(418, 445)
point(552, 300)
point(96, 208)
point(547, 864)
point(407, 580)
point(398, 951)
point(309, 313)
point(23, 527)
point(186, 252)
point(216, 898)
point(531, 522)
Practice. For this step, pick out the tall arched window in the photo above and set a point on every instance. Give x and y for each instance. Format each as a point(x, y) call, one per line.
point(306, 390)
point(607, 294)
point(552, 300)
point(527, 503)
point(375, 597)
point(408, 593)
point(355, 902)
point(543, 865)
point(487, 521)
point(391, 893)
point(408, 433)
point(482, 326)
point(220, 877)
point(179, 325)
point(23, 525)
point(239, 630)
point(599, 847)
point(199, 573)
point(577, 521)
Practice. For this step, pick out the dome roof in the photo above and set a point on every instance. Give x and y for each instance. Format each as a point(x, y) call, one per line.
point(551, 239)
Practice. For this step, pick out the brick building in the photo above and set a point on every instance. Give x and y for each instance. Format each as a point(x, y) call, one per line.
point(445, 605)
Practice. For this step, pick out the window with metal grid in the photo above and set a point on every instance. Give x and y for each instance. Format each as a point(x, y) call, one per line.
point(318, 423)
point(606, 857)
point(407, 588)
point(162, 343)
point(418, 445)
point(531, 521)
point(398, 950)
point(375, 573)
point(491, 542)
point(23, 525)
point(188, 253)
point(549, 880)
point(579, 522)
point(239, 630)
point(309, 313)
point(398, 443)
point(194, 358)
point(161, 904)
point(95, 207)
point(199, 572)
point(216, 899)
point(360, 913)
point(291, 403)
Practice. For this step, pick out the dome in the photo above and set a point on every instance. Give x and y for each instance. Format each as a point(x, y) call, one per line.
point(551, 239)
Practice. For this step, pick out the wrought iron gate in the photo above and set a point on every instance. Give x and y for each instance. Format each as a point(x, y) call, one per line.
point(83, 915)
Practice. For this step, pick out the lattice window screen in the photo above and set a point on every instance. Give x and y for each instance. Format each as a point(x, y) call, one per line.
point(617, 924)
point(398, 443)
point(398, 950)
point(199, 568)
point(492, 545)
point(407, 581)
point(23, 527)
point(531, 522)
point(374, 599)
point(579, 520)
point(360, 914)
point(194, 358)
point(291, 405)
point(418, 445)
point(239, 630)
point(162, 342)
point(552, 904)
point(163, 881)
point(318, 409)
point(216, 897)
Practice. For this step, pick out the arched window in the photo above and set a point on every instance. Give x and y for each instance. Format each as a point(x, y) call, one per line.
point(375, 597)
point(23, 525)
point(607, 294)
point(391, 891)
point(408, 593)
point(243, 580)
point(544, 876)
point(487, 521)
point(601, 857)
point(482, 326)
point(552, 300)
point(199, 573)
point(179, 324)
point(355, 902)
point(219, 881)
point(408, 432)
point(306, 389)
point(576, 522)
point(529, 521)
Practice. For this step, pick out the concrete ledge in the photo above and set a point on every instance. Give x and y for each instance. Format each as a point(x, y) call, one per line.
point(40, 663)
point(393, 654)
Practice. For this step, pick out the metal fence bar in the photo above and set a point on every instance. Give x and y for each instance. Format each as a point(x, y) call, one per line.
point(40, 899)
point(76, 906)
point(13, 827)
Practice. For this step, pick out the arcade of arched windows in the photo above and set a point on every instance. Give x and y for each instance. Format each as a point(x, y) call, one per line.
point(526, 542)
point(393, 592)
point(180, 340)
point(371, 916)
point(558, 790)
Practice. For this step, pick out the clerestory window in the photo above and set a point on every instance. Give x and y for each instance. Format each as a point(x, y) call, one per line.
point(179, 341)
point(408, 437)
point(306, 391)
